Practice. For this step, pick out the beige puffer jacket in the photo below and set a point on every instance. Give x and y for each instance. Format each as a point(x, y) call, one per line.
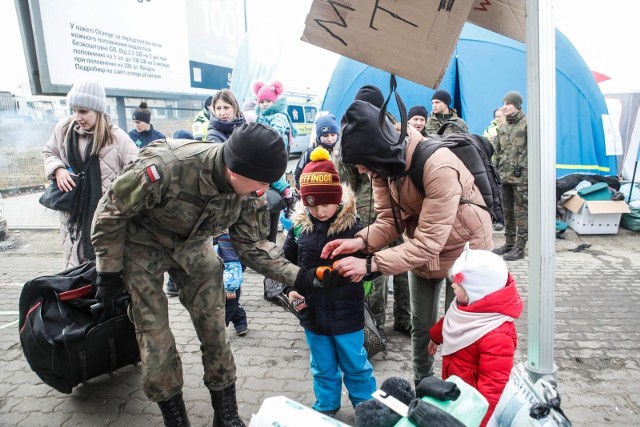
point(112, 159)
point(436, 225)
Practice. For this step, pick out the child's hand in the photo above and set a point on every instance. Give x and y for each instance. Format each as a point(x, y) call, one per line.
point(294, 295)
point(230, 295)
point(433, 348)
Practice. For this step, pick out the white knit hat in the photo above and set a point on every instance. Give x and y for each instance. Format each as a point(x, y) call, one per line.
point(479, 272)
point(87, 94)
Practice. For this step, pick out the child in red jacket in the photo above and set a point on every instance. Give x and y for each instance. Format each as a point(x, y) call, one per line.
point(477, 333)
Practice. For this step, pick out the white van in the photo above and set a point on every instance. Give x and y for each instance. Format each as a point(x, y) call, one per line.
point(302, 109)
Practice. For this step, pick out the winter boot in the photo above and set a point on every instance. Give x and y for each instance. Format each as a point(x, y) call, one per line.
point(173, 412)
point(503, 249)
point(225, 408)
point(514, 255)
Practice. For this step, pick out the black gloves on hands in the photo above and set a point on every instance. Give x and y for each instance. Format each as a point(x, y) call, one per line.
point(109, 287)
point(306, 280)
point(332, 279)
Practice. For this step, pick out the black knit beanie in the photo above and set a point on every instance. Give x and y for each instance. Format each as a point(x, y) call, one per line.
point(207, 102)
point(257, 152)
point(142, 113)
point(442, 95)
point(370, 94)
point(418, 110)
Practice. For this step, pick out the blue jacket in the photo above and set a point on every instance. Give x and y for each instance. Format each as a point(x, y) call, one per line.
point(141, 139)
point(333, 311)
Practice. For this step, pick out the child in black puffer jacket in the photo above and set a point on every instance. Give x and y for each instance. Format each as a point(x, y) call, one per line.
point(333, 317)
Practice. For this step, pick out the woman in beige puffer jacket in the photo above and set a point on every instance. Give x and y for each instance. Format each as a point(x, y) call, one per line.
point(436, 222)
point(110, 150)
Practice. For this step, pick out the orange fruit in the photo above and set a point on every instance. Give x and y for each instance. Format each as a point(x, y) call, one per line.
point(321, 270)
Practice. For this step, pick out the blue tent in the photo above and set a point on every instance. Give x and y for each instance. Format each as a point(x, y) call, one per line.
point(484, 67)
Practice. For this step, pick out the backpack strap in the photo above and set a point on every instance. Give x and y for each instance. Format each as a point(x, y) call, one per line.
point(448, 123)
point(390, 138)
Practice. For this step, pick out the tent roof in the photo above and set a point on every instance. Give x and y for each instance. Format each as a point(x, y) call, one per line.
point(485, 66)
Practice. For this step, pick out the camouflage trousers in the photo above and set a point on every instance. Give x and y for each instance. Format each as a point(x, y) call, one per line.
point(201, 292)
point(377, 300)
point(516, 216)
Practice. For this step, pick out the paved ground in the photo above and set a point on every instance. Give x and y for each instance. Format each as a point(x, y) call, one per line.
point(597, 341)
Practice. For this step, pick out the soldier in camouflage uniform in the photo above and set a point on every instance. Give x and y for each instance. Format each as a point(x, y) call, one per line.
point(361, 186)
point(441, 114)
point(159, 215)
point(511, 157)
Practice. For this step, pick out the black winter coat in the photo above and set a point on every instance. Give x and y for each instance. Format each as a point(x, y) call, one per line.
point(220, 130)
point(333, 311)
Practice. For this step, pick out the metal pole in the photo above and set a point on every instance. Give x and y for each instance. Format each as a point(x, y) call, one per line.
point(122, 113)
point(541, 115)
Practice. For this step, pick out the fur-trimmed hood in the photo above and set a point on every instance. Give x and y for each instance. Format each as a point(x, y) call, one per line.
point(345, 218)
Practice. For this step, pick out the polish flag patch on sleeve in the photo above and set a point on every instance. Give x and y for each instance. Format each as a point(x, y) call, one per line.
point(152, 173)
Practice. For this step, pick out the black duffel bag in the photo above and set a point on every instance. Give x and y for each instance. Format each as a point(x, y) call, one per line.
point(63, 334)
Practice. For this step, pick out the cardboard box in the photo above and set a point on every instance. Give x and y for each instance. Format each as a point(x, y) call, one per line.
point(594, 216)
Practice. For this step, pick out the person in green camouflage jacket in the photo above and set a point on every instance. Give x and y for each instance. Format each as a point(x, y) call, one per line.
point(511, 157)
point(441, 114)
point(159, 216)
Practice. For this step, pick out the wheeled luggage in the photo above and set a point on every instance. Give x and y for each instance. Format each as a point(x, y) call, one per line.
point(62, 333)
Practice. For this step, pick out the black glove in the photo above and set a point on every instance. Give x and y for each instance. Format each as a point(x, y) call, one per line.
point(333, 279)
point(109, 287)
point(290, 201)
point(306, 280)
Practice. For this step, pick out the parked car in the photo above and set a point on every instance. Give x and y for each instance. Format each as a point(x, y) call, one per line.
point(302, 110)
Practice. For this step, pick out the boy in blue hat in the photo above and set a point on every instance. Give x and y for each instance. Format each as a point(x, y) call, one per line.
point(327, 134)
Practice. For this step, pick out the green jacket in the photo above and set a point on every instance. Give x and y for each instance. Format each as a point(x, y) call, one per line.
point(435, 121)
point(511, 149)
point(170, 201)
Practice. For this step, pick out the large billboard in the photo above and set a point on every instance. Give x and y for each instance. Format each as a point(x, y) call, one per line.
point(153, 48)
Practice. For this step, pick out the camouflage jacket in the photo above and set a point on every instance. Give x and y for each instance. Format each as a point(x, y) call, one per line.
point(359, 183)
point(436, 121)
point(511, 149)
point(170, 201)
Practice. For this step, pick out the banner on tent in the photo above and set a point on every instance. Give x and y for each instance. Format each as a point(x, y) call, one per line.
point(413, 39)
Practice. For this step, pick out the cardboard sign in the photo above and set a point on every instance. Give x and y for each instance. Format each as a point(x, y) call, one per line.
point(413, 39)
point(504, 17)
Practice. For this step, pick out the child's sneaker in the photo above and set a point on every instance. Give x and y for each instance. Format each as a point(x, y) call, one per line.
point(241, 330)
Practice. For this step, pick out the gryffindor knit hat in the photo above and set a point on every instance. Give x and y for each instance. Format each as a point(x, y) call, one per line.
point(479, 272)
point(89, 95)
point(319, 181)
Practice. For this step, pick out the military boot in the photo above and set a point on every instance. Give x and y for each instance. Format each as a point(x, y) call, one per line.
point(514, 255)
point(503, 249)
point(225, 408)
point(173, 412)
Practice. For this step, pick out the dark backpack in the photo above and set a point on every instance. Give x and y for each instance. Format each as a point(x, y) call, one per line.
point(475, 152)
